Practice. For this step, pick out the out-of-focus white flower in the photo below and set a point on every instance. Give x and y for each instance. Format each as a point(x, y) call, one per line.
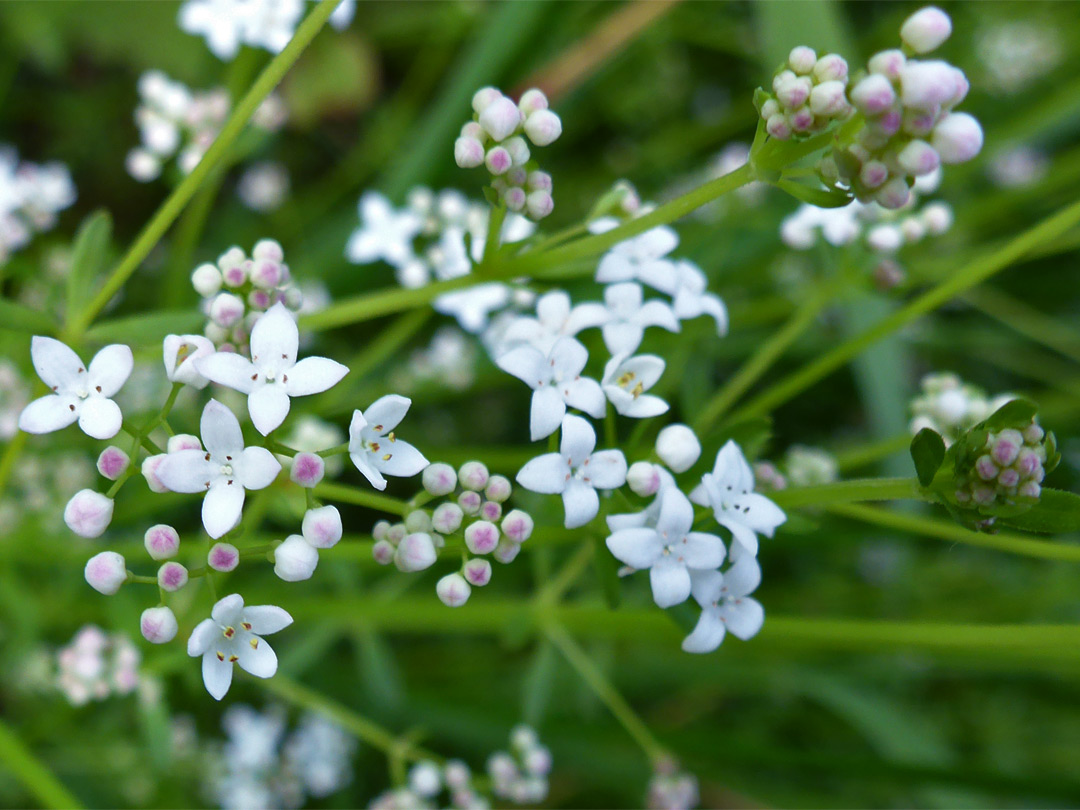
point(629, 315)
point(95, 665)
point(626, 379)
point(1018, 166)
point(319, 753)
point(691, 298)
point(375, 449)
point(670, 789)
point(641, 258)
point(725, 605)
point(264, 186)
point(31, 196)
point(809, 466)
point(384, 234)
point(556, 317)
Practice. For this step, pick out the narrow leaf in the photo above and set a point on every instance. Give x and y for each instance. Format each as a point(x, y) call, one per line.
point(928, 452)
point(19, 318)
point(146, 329)
point(88, 257)
point(1057, 512)
point(1012, 413)
point(821, 197)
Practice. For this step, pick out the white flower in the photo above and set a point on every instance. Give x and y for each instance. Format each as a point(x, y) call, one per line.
point(641, 258)
point(273, 374)
point(374, 448)
point(669, 550)
point(628, 317)
point(385, 234)
point(729, 490)
point(575, 472)
point(77, 392)
point(219, 21)
point(473, 306)
point(627, 378)
point(181, 352)
point(233, 635)
point(692, 299)
point(223, 471)
point(725, 605)
point(556, 382)
point(555, 318)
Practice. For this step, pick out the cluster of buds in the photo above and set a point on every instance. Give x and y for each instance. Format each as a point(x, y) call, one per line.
point(174, 120)
point(31, 195)
point(427, 781)
point(949, 406)
point(1003, 468)
point(237, 290)
point(671, 789)
point(473, 509)
point(496, 138)
point(910, 127)
point(809, 466)
point(297, 556)
point(808, 94)
point(521, 774)
point(94, 665)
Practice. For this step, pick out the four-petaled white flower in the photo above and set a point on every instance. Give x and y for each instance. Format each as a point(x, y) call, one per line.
point(691, 298)
point(223, 471)
point(628, 317)
point(575, 472)
point(273, 374)
point(556, 317)
point(556, 382)
point(386, 233)
point(78, 392)
point(641, 258)
point(729, 491)
point(627, 378)
point(181, 353)
point(374, 448)
point(670, 550)
point(472, 307)
point(233, 635)
point(725, 605)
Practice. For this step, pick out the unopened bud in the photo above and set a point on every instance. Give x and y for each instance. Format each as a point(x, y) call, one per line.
point(937, 217)
point(447, 517)
point(543, 127)
point(380, 530)
point(172, 576)
point(802, 59)
point(926, 85)
point(425, 780)
point(396, 533)
point(477, 572)
point(531, 101)
point(831, 67)
point(266, 274)
point(985, 468)
point(515, 198)
point(383, 552)
point(538, 204)
point(162, 542)
point(483, 97)
point(643, 478)
point(453, 590)
point(490, 511)
point(415, 552)
point(112, 462)
point(223, 557)
point(794, 92)
point(307, 470)
point(873, 95)
point(226, 310)
point(88, 513)
point(500, 118)
point(468, 152)
point(295, 559)
point(517, 526)
point(778, 127)
point(506, 551)
point(894, 194)
point(918, 158)
point(439, 479)
point(498, 488)
point(322, 526)
point(158, 625)
point(106, 572)
point(678, 447)
point(481, 537)
point(828, 99)
point(538, 181)
point(958, 137)
point(149, 472)
point(473, 475)
point(926, 29)
point(519, 153)
point(418, 521)
point(498, 160)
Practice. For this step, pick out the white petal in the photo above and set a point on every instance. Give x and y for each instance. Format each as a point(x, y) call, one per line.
point(580, 502)
point(222, 507)
point(658, 241)
point(404, 460)
point(266, 619)
point(676, 515)
point(578, 439)
point(743, 577)
point(56, 364)
point(657, 313)
point(356, 430)
point(634, 520)
point(638, 547)
point(614, 266)
point(268, 406)
point(48, 413)
point(260, 660)
point(553, 310)
point(586, 316)
point(746, 537)
point(274, 339)
point(622, 336)
point(623, 299)
point(202, 637)
point(707, 635)
point(362, 461)
point(386, 413)
point(100, 418)
point(229, 369)
point(110, 369)
point(607, 469)
point(313, 375)
point(217, 675)
point(731, 469)
point(743, 617)
point(659, 274)
point(670, 582)
point(703, 551)
point(712, 305)
point(545, 474)
point(585, 395)
point(706, 586)
point(644, 407)
point(568, 358)
point(546, 412)
point(220, 430)
point(256, 468)
point(646, 368)
point(226, 611)
point(526, 363)
point(186, 471)
point(700, 493)
point(764, 515)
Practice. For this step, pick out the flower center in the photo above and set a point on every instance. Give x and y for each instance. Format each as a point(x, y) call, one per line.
point(226, 469)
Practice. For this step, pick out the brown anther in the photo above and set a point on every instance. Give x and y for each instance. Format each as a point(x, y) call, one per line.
point(207, 456)
point(284, 357)
point(246, 625)
point(254, 376)
point(284, 378)
point(230, 632)
point(97, 388)
point(386, 457)
point(72, 407)
point(221, 656)
point(233, 659)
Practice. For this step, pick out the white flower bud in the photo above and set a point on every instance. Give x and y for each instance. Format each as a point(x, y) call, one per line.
point(828, 99)
point(292, 298)
point(482, 537)
point(802, 59)
point(142, 164)
point(912, 229)
point(643, 478)
point(483, 97)
point(158, 625)
point(873, 173)
point(439, 479)
point(888, 63)
point(226, 310)
point(396, 533)
point(506, 551)
point(112, 462)
point(415, 552)
point(468, 152)
point(794, 92)
point(383, 552)
point(782, 78)
point(470, 502)
point(231, 264)
point(538, 181)
point(183, 441)
point(885, 238)
point(958, 137)
point(778, 127)
point(937, 217)
point(425, 779)
point(678, 447)
point(307, 469)
point(477, 572)
point(517, 526)
point(322, 527)
point(531, 101)
point(447, 517)
point(473, 475)
point(418, 521)
point(490, 511)
point(929, 84)
point(543, 127)
point(770, 108)
point(223, 557)
point(801, 119)
point(422, 204)
point(873, 94)
point(453, 590)
point(149, 472)
point(518, 149)
point(206, 280)
point(172, 576)
point(926, 29)
point(267, 274)
point(498, 160)
point(538, 204)
point(514, 198)
point(217, 335)
point(918, 158)
point(162, 542)
point(894, 194)
point(295, 559)
point(106, 572)
point(498, 489)
point(831, 67)
point(88, 513)
point(500, 118)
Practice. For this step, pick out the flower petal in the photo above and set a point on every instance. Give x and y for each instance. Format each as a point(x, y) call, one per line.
point(578, 439)
point(222, 507)
point(585, 395)
point(386, 413)
point(657, 313)
point(743, 617)
point(643, 407)
point(638, 547)
point(274, 340)
point(745, 536)
point(186, 471)
point(580, 502)
point(703, 551)
point(607, 469)
point(646, 368)
point(676, 515)
point(100, 418)
point(567, 358)
point(268, 406)
point(400, 459)
point(527, 363)
point(266, 619)
point(545, 474)
point(57, 365)
point(363, 463)
point(313, 375)
point(707, 634)
point(110, 369)
point(659, 274)
point(670, 582)
point(202, 637)
point(586, 316)
point(258, 658)
point(48, 413)
point(256, 468)
point(226, 612)
point(743, 577)
point(217, 675)
point(229, 369)
point(622, 336)
point(546, 412)
point(553, 309)
point(707, 587)
point(614, 266)
point(220, 430)
point(764, 515)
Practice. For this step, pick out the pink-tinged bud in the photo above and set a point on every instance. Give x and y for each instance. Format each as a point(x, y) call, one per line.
point(962, 496)
point(498, 489)
point(295, 559)
point(828, 99)
point(453, 590)
point(447, 517)
point(172, 576)
point(889, 123)
point(469, 130)
point(873, 174)
point(106, 572)
point(801, 119)
point(515, 198)
point(537, 760)
point(268, 249)
point(260, 299)
point(1007, 445)
point(473, 475)
point(506, 551)
point(383, 552)
point(778, 127)
point(831, 68)
point(322, 526)
point(983, 495)
point(894, 194)
point(793, 93)
point(158, 625)
point(88, 513)
point(468, 152)
point(918, 158)
point(266, 274)
point(381, 530)
point(538, 181)
point(483, 97)
point(782, 78)
point(149, 471)
point(678, 447)
point(112, 462)
point(519, 153)
point(498, 160)
point(958, 137)
point(470, 502)
point(183, 441)
point(481, 537)
point(802, 59)
point(1027, 462)
point(873, 95)
point(517, 525)
point(926, 85)
point(643, 478)
point(538, 204)
point(500, 118)
point(207, 280)
point(919, 123)
point(415, 552)
point(226, 310)
point(1033, 434)
point(307, 470)
point(396, 533)
point(1009, 478)
point(531, 101)
point(1029, 489)
point(490, 511)
point(236, 275)
point(926, 29)
point(223, 557)
point(986, 469)
point(770, 108)
point(543, 127)
point(292, 298)
point(162, 542)
point(938, 218)
point(889, 64)
point(477, 572)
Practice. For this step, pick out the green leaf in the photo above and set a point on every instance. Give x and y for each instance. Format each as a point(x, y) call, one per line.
point(538, 684)
point(88, 258)
point(822, 198)
point(928, 452)
point(1016, 412)
point(607, 573)
point(146, 329)
point(19, 318)
point(1057, 512)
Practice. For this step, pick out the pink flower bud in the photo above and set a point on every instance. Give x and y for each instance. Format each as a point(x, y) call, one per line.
point(514, 198)
point(926, 29)
point(236, 274)
point(206, 280)
point(266, 274)
point(929, 84)
point(643, 478)
point(453, 590)
point(439, 479)
point(172, 576)
point(1033, 434)
point(447, 517)
point(149, 472)
point(918, 158)
point(396, 533)
point(1027, 462)
point(985, 468)
point(490, 511)
point(500, 118)
point(226, 310)
point(415, 552)
point(543, 127)
point(470, 502)
point(307, 469)
point(873, 95)
point(793, 93)
point(161, 541)
point(1009, 478)
point(158, 625)
point(469, 130)
point(269, 250)
point(481, 537)
point(1029, 489)
point(828, 99)
point(1007, 445)
point(801, 119)
point(678, 447)
point(295, 559)
point(983, 495)
point(531, 101)
point(231, 259)
point(519, 153)
point(106, 572)
point(802, 59)
point(873, 174)
point(506, 551)
point(183, 441)
point(894, 194)
point(473, 475)
point(383, 552)
point(223, 557)
point(538, 181)
point(517, 525)
point(782, 78)
point(484, 97)
point(477, 572)
point(831, 67)
point(498, 488)
point(468, 152)
point(778, 127)
point(538, 204)
point(958, 137)
point(498, 160)
point(88, 513)
point(322, 526)
point(112, 462)
point(889, 123)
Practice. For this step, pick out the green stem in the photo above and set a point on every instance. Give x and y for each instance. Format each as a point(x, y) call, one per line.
point(175, 203)
point(35, 776)
point(855, 457)
point(360, 497)
point(557, 587)
point(859, 489)
point(496, 216)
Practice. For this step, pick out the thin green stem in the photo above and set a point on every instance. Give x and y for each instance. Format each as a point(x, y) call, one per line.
point(360, 497)
point(35, 776)
point(496, 216)
point(557, 587)
point(859, 489)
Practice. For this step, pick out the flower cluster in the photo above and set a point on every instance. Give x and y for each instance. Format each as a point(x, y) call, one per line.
point(1007, 468)
point(31, 196)
point(671, 789)
point(520, 774)
point(949, 406)
point(496, 139)
point(808, 94)
point(174, 120)
point(267, 24)
point(94, 666)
